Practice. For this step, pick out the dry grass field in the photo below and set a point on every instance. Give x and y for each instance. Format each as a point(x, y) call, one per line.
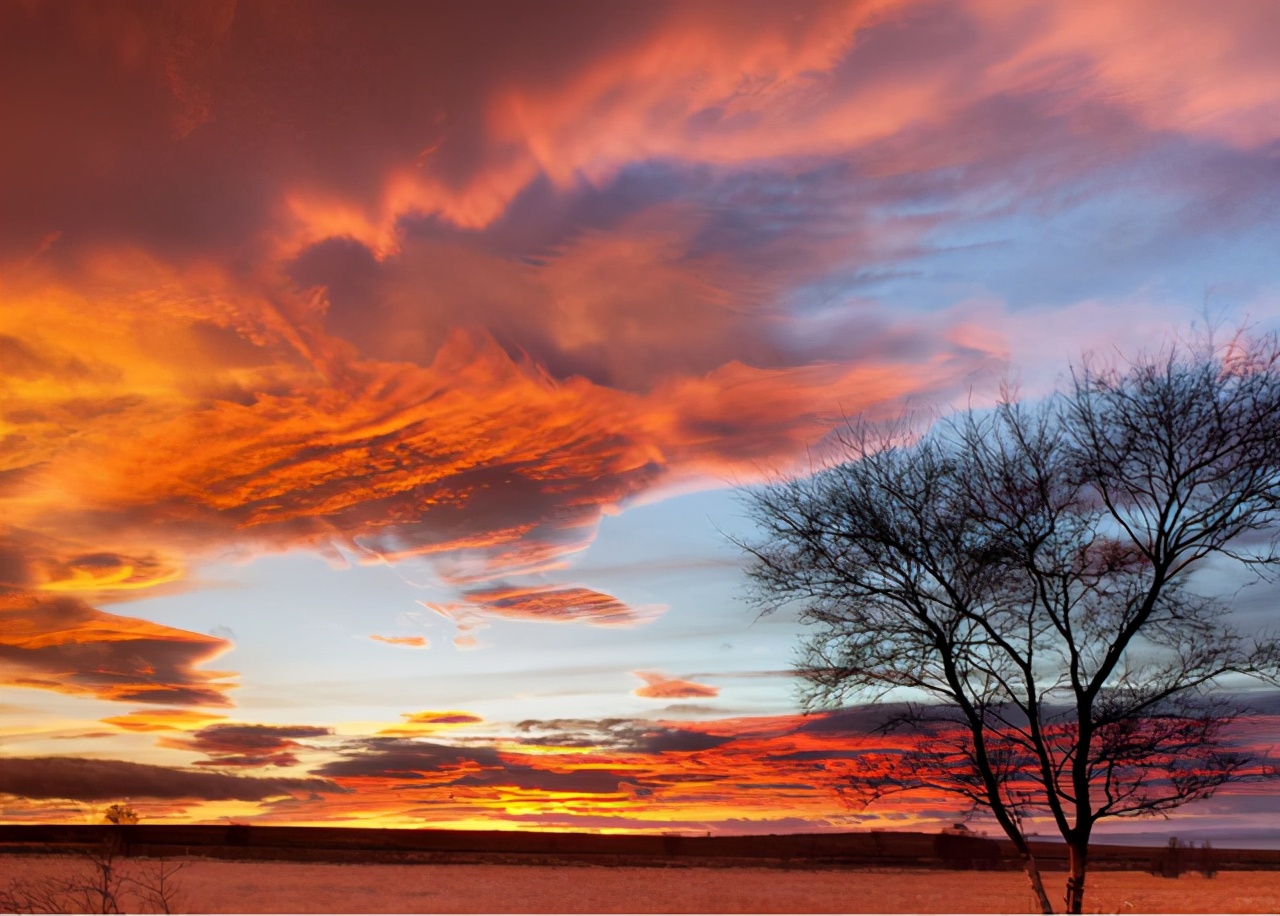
point(217, 886)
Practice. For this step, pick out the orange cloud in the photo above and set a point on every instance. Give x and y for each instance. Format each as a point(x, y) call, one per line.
point(427, 723)
point(442, 718)
point(63, 644)
point(543, 603)
point(479, 461)
point(556, 604)
point(162, 720)
point(105, 573)
point(409, 642)
point(659, 686)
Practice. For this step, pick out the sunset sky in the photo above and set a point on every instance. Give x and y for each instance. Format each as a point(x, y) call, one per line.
point(376, 378)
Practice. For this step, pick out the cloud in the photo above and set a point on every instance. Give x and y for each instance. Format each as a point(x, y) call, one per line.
point(478, 461)
point(650, 772)
point(706, 775)
point(110, 780)
point(442, 718)
point(51, 639)
point(162, 720)
point(659, 686)
point(533, 779)
point(62, 644)
point(101, 572)
point(1226, 87)
point(319, 430)
point(409, 642)
point(553, 603)
point(430, 722)
point(622, 735)
point(402, 758)
point(234, 744)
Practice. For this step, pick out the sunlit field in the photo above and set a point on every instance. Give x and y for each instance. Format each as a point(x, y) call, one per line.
point(213, 886)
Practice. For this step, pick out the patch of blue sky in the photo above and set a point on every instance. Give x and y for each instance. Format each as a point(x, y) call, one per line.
point(1142, 226)
point(667, 553)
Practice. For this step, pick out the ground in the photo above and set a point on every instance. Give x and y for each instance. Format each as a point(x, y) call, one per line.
point(216, 886)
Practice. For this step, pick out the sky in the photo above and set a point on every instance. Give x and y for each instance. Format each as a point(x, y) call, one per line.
point(379, 380)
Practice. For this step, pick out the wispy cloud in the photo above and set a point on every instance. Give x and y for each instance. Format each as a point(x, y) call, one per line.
point(408, 642)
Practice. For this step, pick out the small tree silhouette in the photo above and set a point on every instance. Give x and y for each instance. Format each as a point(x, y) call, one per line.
point(120, 814)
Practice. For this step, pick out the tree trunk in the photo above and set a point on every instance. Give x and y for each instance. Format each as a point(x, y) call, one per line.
point(1075, 880)
point(1037, 884)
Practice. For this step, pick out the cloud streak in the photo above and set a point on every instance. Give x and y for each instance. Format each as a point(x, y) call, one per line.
point(408, 642)
point(109, 780)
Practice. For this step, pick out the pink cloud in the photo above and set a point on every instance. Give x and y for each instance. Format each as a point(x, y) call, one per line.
point(660, 686)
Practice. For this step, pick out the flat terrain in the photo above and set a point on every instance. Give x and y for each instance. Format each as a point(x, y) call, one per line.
point(219, 886)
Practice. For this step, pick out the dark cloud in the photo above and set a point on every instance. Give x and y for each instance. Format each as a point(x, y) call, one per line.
point(245, 745)
point(677, 740)
point(578, 732)
point(621, 735)
point(692, 710)
point(62, 644)
point(862, 719)
point(401, 758)
point(537, 779)
point(104, 780)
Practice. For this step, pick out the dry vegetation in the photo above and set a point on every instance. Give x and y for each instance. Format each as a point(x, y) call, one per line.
point(214, 886)
point(94, 880)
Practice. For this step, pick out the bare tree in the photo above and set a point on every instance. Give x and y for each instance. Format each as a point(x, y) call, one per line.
point(97, 879)
point(1025, 573)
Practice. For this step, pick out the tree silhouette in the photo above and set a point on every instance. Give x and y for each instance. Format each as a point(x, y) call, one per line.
point(1023, 575)
point(120, 814)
